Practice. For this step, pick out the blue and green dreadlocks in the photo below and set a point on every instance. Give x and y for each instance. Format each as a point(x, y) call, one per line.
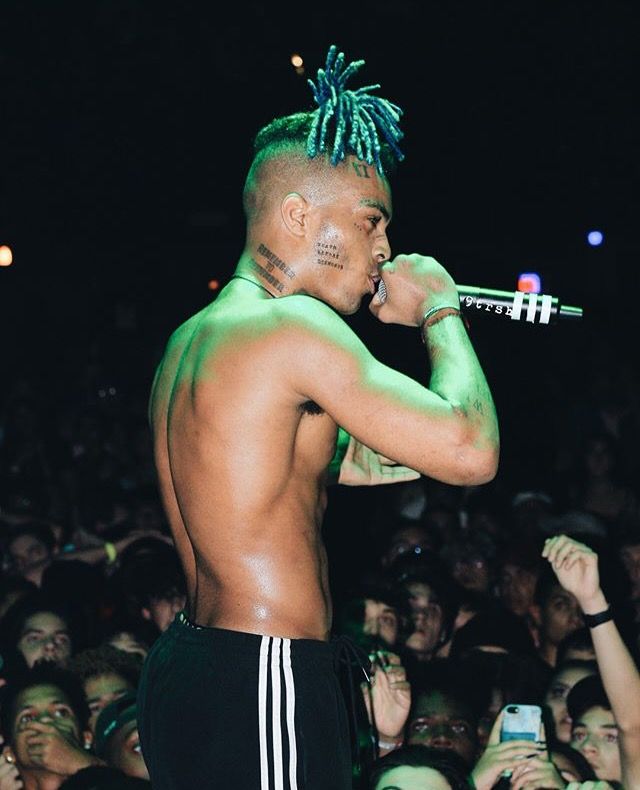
point(363, 125)
point(358, 116)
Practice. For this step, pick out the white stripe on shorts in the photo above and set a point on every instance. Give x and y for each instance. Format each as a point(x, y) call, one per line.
point(291, 709)
point(262, 713)
point(269, 677)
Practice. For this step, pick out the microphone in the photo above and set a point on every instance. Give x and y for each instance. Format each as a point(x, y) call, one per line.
point(511, 305)
point(516, 305)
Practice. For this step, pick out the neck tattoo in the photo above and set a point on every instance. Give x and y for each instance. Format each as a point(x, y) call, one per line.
point(253, 282)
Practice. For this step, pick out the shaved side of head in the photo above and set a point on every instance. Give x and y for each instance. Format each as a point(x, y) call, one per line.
point(281, 165)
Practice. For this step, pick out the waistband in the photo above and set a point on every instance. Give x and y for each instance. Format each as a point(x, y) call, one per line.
point(185, 630)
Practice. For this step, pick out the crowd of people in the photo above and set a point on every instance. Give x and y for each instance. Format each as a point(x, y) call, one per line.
point(458, 608)
point(455, 605)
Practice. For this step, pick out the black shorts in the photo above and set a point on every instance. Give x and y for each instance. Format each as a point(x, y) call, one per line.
point(225, 709)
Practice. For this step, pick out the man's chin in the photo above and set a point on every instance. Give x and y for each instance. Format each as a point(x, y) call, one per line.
point(347, 308)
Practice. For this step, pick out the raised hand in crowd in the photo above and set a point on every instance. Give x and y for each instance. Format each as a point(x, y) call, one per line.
point(9, 776)
point(576, 566)
point(388, 699)
point(506, 757)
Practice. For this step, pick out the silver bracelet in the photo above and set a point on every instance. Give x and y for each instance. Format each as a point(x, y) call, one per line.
point(433, 310)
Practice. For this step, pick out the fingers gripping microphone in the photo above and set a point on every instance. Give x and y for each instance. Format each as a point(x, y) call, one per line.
point(512, 305)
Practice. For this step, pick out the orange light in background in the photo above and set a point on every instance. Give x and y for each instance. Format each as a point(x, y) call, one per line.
point(530, 283)
point(213, 285)
point(6, 256)
point(296, 60)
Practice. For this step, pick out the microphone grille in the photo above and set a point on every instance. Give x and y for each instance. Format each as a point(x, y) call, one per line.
point(382, 291)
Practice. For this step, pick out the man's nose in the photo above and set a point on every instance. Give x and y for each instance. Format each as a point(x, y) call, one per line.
point(441, 740)
point(576, 620)
point(49, 645)
point(588, 745)
point(382, 249)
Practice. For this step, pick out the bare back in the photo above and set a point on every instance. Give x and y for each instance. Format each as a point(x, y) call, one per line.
point(241, 462)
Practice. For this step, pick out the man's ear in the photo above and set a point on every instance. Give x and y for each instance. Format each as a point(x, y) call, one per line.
point(294, 210)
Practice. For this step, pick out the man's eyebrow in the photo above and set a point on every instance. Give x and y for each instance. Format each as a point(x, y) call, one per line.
point(32, 631)
point(377, 204)
point(50, 702)
point(123, 690)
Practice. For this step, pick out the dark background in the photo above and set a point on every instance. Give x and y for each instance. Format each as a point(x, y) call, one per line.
point(126, 134)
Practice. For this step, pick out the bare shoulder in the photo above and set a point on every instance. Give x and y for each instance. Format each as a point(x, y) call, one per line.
point(304, 318)
point(167, 367)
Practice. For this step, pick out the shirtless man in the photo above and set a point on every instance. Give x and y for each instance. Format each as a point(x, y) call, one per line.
point(245, 408)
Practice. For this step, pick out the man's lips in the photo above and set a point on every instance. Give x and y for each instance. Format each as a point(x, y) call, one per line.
point(374, 279)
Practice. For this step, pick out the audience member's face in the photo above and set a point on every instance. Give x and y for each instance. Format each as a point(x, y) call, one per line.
point(406, 777)
point(125, 753)
point(45, 637)
point(596, 736)
point(560, 616)
point(426, 614)
point(471, 572)
point(381, 620)
point(517, 587)
point(25, 552)
point(162, 611)
point(408, 540)
point(128, 643)
point(103, 689)
point(556, 698)
point(444, 723)
point(49, 705)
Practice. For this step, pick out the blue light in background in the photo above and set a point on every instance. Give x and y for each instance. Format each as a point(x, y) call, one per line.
point(595, 238)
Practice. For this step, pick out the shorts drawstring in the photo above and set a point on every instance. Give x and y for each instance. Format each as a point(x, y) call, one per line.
point(348, 653)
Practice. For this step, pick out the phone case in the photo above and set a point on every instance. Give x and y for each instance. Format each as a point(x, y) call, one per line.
point(521, 722)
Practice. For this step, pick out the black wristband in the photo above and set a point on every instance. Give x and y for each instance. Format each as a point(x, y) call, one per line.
point(592, 620)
